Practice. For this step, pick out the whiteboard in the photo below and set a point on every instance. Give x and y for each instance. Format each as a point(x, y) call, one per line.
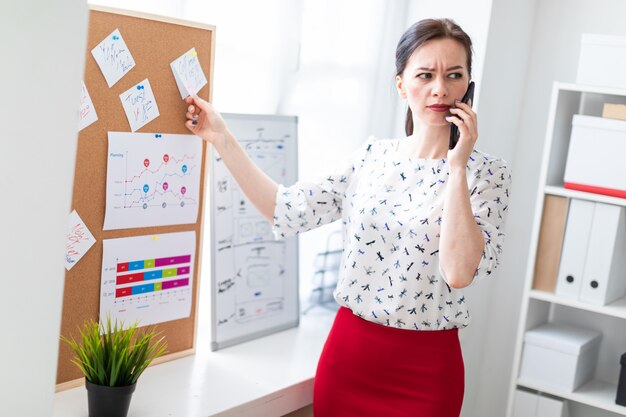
point(254, 280)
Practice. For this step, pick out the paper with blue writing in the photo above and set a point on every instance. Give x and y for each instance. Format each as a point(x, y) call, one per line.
point(139, 105)
point(113, 57)
point(188, 73)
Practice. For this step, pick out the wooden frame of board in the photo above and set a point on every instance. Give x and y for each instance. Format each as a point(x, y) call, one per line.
point(154, 42)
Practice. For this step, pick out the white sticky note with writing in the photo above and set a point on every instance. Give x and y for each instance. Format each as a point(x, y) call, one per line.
point(188, 73)
point(87, 112)
point(113, 57)
point(79, 240)
point(140, 105)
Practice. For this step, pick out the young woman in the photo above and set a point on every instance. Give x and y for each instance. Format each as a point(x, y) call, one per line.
point(421, 222)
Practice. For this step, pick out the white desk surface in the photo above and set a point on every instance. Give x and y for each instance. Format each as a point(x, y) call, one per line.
point(270, 376)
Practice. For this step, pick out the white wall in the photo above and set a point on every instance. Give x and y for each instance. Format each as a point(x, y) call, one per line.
point(557, 26)
point(42, 47)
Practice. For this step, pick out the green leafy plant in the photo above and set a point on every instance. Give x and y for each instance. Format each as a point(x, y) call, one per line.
point(111, 356)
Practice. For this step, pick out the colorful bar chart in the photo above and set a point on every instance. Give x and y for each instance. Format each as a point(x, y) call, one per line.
point(148, 278)
point(151, 263)
point(146, 288)
point(148, 273)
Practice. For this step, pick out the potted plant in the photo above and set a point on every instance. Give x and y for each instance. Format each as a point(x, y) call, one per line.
point(112, 359)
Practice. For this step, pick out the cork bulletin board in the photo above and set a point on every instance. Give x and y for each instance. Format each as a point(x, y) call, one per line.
point(154, 42)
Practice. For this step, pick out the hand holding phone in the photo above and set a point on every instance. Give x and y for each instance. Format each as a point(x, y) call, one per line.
point(454, 130)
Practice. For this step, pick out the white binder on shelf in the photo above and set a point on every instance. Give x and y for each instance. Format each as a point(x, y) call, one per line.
point(574, 253)
point(525, 404)
point(551, 407)
point(529, 404)
point(604, 277)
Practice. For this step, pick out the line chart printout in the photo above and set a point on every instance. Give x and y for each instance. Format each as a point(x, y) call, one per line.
point(147, 278)
point(152, 180)
point(255, 276)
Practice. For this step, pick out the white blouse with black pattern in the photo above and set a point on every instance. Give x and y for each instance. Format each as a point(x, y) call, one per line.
point(391, 208)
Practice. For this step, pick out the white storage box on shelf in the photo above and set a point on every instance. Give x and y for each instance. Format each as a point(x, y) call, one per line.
point(559, 356)
point(602, 61)
point(595, 159)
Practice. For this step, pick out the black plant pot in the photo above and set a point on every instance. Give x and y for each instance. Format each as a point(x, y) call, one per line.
point(106, 401)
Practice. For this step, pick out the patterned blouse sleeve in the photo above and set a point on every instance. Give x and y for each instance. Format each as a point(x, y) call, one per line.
point(310, 204)
point(489, 199)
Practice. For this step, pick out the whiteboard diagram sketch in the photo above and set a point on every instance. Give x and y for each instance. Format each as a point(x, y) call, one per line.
point(255, 276)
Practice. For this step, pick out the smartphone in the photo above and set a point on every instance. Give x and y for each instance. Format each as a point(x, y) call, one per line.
point(454, 130)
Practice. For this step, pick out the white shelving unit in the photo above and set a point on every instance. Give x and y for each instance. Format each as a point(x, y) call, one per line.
point(597, 397)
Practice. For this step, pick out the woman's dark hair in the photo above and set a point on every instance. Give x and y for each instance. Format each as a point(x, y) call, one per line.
point(421, 32)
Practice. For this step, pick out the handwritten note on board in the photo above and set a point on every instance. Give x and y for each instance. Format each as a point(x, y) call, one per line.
point(188, 73)
point(79, 240)
point(87, 112)
point(140, 105)
point(113, 57)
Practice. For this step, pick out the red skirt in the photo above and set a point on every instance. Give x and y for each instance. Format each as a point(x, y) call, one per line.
point(367, 369)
